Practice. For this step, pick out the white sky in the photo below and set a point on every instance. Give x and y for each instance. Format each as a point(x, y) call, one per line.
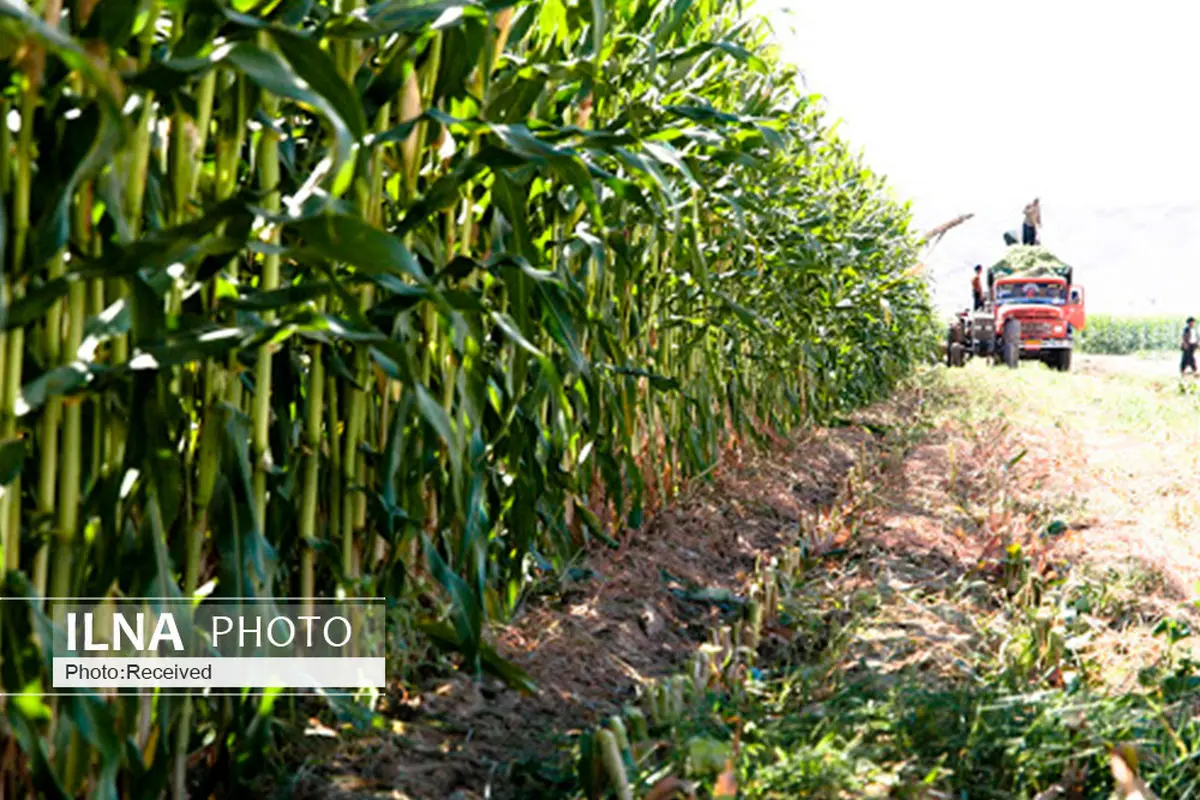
point(980, 106)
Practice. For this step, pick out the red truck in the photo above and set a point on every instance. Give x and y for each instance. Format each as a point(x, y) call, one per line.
point(1032, 310)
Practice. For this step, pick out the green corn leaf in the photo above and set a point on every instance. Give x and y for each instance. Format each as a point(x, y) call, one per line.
point(100, 77)
point(398, 16)
point(12, 459)
point(277, 299)
point(491, 662)
point(314, 66)
point(509, 326)
point(437, 418)
point(341, 237)
point(280, 78)
point(57, 382)
point(103, 132)
point(465, 611)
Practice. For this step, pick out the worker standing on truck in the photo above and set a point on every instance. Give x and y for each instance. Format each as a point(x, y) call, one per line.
point(1033, 222)
point(977, 286)
point(1188, 344)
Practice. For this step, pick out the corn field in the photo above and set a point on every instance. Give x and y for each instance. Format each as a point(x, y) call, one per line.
point(1118, 335)
point(304, 299)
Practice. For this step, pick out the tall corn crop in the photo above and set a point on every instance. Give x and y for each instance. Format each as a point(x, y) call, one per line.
point(303, 298)
point(1121, 335)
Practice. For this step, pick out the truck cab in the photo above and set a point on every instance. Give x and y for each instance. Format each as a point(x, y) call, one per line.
point(1074, 308)
point(1038, 316)
point(1032, 310)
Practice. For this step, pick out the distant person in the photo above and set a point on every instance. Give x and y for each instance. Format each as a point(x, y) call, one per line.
point(1033, 222)
point(977, 286)
point(1188, 344)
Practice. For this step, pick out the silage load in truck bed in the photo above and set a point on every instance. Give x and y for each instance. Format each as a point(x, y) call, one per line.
point(1029, 261)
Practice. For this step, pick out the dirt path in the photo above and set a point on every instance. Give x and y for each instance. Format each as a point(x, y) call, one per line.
point(1161, 366)
point(914, 512)
point(1125, 436)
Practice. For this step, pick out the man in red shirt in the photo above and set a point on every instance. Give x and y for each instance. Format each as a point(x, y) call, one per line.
point(977, 287)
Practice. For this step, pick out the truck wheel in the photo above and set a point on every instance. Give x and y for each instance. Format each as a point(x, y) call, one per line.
point(1012, 343)
point(1063, 362)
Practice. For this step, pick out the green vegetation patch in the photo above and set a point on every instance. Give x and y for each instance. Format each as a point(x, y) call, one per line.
point(1108, 334)
point(1032, 261)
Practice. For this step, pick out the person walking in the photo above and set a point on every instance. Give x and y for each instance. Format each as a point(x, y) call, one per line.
point(1188, 344)
point(977, 286)
point(1033, 222)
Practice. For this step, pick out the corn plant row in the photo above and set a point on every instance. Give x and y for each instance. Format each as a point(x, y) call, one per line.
point(1121, 335)
point(304, 298)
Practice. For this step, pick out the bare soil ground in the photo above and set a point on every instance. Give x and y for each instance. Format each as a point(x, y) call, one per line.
point(1108, 452)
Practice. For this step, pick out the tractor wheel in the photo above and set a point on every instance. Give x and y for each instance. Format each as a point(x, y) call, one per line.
point(954, 346)
point(1012, 343)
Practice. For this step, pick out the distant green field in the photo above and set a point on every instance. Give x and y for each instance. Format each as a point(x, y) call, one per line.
point(1114, 335)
